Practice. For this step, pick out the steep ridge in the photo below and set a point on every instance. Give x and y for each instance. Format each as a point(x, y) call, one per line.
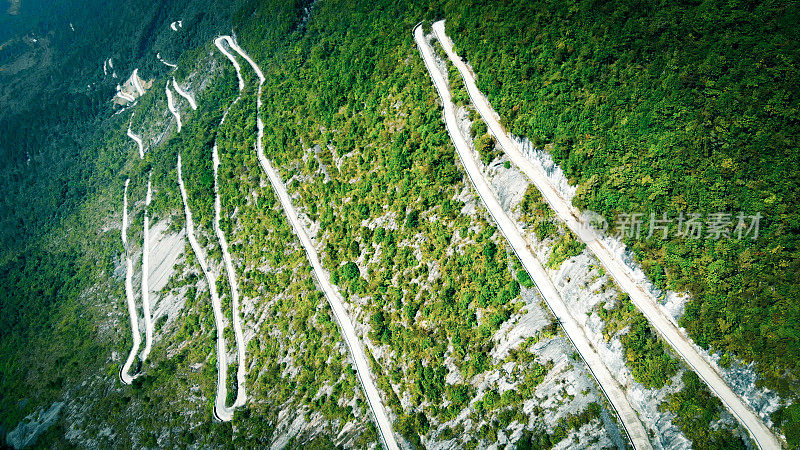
point(572, 328)
point(621, 273)
point(221, 412)
point(124, 373)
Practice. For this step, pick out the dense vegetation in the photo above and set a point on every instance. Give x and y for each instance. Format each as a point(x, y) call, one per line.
point(696, 408)
point(57, 109)
point(56, 281)
point(362, 146)
point(668, 107)
point(380, 155)
point(647, 356)
point(353, 126)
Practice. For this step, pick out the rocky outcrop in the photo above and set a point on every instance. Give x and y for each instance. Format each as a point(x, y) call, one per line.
point(29, 429)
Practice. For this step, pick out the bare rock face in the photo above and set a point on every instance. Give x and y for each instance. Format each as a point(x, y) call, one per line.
point(133, 88)
point(32, 426)
point(165, 252)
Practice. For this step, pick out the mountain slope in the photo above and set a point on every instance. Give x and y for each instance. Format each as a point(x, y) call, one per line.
point(462, 351)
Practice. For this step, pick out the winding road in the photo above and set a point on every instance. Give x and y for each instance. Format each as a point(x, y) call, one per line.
point(172, 108)
point(384, 425)
point(124, 373)
point(136, 84)
point(622, 274)
point(221, 412)
point(572, 328)
point(218, 42)
point(136, 139)
point(184, 94)
point(148, 318)
point(241, 371)
point(124, 96)
point(158, 57)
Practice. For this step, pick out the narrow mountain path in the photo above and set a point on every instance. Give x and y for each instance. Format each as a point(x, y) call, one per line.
point(572, 328)
point(241, 371)
point(136, 83)
point(124, 96)
point(136, 138)
point(148, 318)
point(158, 57)
point(221, 412)
point(622, 274)
point(227, 39)
point(384, 425)
point(171, 106)
point(184, 94)
point(124, 373)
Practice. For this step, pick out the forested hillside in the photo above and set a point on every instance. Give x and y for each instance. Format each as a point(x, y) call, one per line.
point(649, 108)
point(664, 107)
point(53, 110)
